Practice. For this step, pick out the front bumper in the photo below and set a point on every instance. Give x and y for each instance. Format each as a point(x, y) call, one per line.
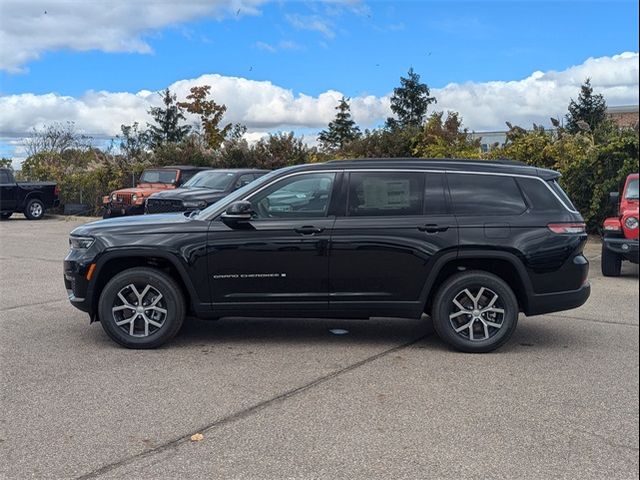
point(120, 210)
point(75, 269)
point(627, 248)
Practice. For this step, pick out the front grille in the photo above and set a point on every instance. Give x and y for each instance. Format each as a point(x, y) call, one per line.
point(156, 205)
point(124, 198)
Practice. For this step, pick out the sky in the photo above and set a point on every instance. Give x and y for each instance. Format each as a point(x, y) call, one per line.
point(283, 65)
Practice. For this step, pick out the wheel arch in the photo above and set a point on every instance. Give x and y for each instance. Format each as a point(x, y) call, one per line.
point(505, 265)
point(112, 263)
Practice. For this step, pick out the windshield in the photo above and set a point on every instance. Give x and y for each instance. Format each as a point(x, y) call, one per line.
point(632, 190)
point(212, 209)
point(158, 176)
point(211, 179)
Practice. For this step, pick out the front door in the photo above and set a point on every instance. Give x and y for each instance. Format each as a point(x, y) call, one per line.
point(383, 248)
point(278, 262)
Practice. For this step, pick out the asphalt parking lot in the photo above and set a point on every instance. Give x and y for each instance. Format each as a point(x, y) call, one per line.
point(288, 399)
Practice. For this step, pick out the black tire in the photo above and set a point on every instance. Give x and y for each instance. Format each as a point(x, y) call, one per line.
point(34, 209)
point(172, 301)
point(610, 263)
point(5, 216)
point(481, 285)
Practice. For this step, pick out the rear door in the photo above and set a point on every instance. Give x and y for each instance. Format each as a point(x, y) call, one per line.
point(384, 245)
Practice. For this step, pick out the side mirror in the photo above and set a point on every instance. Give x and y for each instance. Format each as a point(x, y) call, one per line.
point(237, 212)
point(614, 198)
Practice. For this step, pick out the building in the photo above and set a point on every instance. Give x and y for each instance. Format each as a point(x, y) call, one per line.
point(625, 116)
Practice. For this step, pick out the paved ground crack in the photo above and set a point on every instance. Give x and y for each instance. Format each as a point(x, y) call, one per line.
point(34, 304)
point(592, 320)
point(233, 417)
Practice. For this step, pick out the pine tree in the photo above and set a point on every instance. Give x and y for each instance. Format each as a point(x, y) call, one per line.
point(166, 127)
point(590, 110)
point(410, 102)
point(341, 131)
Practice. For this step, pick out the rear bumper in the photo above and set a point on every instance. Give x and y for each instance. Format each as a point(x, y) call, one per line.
point(627, 248)
point(558, 301)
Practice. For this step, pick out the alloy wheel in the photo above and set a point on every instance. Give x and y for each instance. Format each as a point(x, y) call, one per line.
point(476, 313)
point(139, 310)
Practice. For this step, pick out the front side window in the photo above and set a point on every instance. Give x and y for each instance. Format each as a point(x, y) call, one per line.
point(632, 190)
point(385, 194)
point(4, 176)
point(485, 195)
point(300, 196)
point(158, 176)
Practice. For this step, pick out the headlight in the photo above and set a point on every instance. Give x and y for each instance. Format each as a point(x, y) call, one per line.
point(114, 197)
point(134, 197)
point(195, 204)
point(81, 243)
point(631, 223)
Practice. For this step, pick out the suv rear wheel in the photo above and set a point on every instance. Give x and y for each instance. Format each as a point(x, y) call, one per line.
point(141, 308)
point(475, 311)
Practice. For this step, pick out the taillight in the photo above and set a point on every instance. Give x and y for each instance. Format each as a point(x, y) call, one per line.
point(567, 227)
point(56, 191)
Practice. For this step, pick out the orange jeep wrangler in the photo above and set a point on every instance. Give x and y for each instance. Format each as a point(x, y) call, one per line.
point(130, 201)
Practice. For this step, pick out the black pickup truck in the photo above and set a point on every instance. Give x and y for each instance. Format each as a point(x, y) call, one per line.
point(30, 198)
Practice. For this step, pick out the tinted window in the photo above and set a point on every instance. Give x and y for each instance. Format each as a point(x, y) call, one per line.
point(538, 195)
point(213, 180)
point(434, 200)
point(383, 194)
point(301, 196)
point(563, 196)
point(485, 195)
point(4, 176)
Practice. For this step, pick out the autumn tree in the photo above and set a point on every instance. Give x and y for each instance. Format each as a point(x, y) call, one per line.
point(410, 102)
point(167, 120)
point(210, 115)
point(445, 138)
point(341, 131)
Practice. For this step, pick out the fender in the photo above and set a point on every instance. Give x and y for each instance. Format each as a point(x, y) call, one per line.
point(476, 254)
point(172, 258)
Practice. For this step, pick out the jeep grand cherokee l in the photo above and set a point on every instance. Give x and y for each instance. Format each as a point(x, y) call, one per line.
point(471, 243)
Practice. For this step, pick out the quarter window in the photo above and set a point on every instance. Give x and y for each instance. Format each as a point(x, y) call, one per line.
point(385, 194)
point(485, 195)
point(301, 196)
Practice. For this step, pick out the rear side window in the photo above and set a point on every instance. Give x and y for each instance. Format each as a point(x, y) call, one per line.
point(485, 195)
point(563, 196)
point(538, 195)
point(385, 194)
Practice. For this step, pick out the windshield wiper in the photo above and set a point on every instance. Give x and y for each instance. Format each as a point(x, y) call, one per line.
point(192, 213)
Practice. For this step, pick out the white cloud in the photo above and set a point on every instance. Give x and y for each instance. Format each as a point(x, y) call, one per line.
point(263, 106)
point(29, 28)
point(312, 22)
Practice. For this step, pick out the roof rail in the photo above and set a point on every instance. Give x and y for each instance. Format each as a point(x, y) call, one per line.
point(499, 161)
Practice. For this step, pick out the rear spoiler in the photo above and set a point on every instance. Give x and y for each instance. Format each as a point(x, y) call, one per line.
point(547, 174)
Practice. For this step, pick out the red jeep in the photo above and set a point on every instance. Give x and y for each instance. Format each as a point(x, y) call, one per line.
point(620, 234)
point(130, 201)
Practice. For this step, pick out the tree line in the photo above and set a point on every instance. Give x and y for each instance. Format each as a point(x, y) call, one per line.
point(591, 152)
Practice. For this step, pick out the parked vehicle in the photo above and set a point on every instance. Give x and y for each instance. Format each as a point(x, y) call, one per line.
point(130, 201)
point(30, 198)
point(202, 190)
point(470, 243)
point(620, 233)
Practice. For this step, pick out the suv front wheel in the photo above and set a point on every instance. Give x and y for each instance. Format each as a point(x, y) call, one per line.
point(141, 308)
point(475, 311)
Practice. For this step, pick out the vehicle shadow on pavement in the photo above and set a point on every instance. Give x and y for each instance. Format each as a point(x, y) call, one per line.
point(379, 331)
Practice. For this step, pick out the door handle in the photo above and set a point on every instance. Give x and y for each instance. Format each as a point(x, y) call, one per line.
point(433, 228)
point(308, 230)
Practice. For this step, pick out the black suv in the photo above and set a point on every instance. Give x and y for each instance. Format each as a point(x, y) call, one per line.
point(471, 243)
point(201, 190)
